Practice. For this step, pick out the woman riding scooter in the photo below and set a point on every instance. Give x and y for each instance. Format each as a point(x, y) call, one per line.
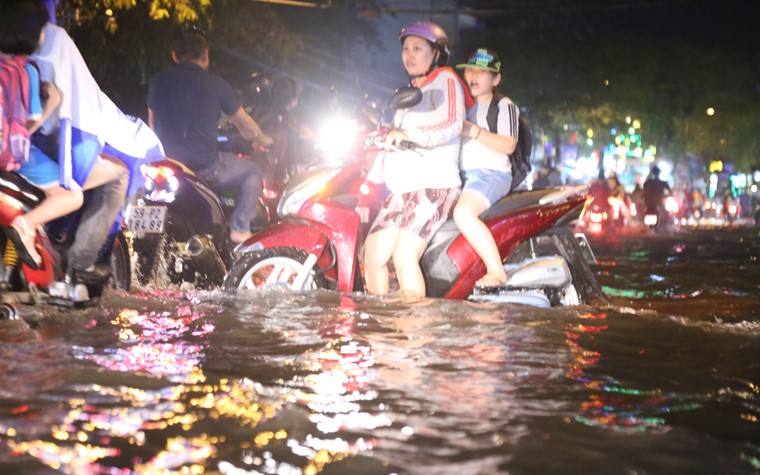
point(424, 182)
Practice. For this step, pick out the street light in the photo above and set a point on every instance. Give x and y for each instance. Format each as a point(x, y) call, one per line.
point(710, 111)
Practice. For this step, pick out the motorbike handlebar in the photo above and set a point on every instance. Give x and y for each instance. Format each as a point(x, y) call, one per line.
point(378, 141)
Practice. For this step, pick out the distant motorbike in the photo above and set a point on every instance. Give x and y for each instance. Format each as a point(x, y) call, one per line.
point(50, 283)
point(327, 210)
point(731, 209)
point(661, 218)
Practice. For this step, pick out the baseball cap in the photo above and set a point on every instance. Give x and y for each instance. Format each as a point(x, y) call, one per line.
point(484, 59)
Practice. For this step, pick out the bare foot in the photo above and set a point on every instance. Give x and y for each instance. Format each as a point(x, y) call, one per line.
point(492, 279)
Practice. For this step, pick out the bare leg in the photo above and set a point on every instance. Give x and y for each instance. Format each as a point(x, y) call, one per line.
point(59, 202)
point(406, 259)
point(378, 249)
point(466, 213)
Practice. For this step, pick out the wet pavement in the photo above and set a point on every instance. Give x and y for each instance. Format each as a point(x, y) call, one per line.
point(665, 380)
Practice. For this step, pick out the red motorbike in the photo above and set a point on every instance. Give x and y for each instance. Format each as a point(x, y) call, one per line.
point(20, 284)
point(327, 210)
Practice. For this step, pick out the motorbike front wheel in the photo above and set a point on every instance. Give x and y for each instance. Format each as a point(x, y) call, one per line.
point(561, 242)
point(273, 268)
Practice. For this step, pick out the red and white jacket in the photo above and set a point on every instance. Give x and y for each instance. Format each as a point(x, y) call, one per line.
point(434, 125)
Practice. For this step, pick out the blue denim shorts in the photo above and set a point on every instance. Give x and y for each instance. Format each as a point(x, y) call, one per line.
point(491, 185)
point(40, 170)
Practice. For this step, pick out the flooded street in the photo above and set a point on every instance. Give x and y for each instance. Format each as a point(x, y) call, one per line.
point(666, 380)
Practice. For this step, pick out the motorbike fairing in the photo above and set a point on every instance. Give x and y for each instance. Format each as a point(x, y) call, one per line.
point(443, 275)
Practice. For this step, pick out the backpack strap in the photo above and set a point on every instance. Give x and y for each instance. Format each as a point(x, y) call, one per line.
point(492, 117)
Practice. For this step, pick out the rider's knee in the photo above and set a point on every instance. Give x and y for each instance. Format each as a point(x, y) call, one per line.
point(462, 215)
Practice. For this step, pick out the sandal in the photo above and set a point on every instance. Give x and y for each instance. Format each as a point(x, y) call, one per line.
point(23, 240)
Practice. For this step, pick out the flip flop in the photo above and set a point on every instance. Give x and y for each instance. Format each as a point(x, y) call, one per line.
point(23, 241)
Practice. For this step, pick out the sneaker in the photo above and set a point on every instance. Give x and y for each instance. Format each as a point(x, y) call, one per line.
point(93, 275)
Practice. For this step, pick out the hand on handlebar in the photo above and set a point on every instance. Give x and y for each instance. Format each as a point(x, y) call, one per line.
point(396, 137)
point(398, 140)
point(264, 140)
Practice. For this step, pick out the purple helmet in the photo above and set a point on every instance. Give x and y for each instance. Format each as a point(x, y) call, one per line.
point(431, 32)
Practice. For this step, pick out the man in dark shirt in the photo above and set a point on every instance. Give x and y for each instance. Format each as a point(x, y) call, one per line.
point(655, 190)
point(185, 103)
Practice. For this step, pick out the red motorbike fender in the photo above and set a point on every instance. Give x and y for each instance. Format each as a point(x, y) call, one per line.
point(508, 232)
point(43, 276)
point(291, 234)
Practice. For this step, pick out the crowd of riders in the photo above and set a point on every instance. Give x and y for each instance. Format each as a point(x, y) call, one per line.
point(459, 168)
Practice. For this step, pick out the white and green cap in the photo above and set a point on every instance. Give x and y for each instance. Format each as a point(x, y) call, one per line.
point(484, 59)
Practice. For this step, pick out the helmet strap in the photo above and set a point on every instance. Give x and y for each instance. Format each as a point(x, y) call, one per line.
point(434, 64)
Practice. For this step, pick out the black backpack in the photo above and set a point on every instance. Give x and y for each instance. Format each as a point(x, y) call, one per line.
point(520, 158)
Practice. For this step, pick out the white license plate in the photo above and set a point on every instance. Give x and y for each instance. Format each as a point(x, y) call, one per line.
point(650, 219)
point(363, 213)
point(147, 219)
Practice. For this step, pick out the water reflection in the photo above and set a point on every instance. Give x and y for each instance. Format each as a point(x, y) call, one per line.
point(168, 382)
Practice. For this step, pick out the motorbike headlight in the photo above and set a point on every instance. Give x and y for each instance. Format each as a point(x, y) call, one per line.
point(671, 205)
point(161, 184)
point(310, 184)
point(337, 137)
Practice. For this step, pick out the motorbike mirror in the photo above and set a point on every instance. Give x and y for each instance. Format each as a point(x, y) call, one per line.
point(405, 97)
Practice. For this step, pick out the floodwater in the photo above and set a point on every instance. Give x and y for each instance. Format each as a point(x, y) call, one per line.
point(664, 381)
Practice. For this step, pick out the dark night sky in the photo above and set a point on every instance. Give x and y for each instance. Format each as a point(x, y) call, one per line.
point(698, 21)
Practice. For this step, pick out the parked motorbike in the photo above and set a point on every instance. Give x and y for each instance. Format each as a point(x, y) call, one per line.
point(318, 242)
point(50, 283)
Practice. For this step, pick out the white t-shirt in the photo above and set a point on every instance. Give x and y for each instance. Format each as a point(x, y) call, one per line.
point(475, 154)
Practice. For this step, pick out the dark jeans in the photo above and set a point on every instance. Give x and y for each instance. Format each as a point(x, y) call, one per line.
point(245, 176)
point(99, 213)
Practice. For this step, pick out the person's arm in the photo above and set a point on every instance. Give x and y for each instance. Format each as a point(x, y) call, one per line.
point(500, 143)
point(248, 128)
point(446, 120)
point(52, 103)
point(504, 139)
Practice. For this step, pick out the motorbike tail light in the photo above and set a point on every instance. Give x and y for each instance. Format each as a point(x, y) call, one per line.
point(595, 217)
point(364, 189)
point(157, 173)
point(732, 209)
point(160, 183)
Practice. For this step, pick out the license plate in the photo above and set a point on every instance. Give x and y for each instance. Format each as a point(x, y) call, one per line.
point(650, 219)
point(363, 213)
point(147, 219)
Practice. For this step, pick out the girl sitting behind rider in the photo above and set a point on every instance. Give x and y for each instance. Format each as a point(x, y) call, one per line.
point(21, 32)
point(485, 160)
point(424, 182)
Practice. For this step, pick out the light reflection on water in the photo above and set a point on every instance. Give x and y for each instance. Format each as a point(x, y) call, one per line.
point(167, 382)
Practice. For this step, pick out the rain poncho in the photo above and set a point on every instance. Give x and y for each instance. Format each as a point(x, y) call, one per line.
point(90, 123)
